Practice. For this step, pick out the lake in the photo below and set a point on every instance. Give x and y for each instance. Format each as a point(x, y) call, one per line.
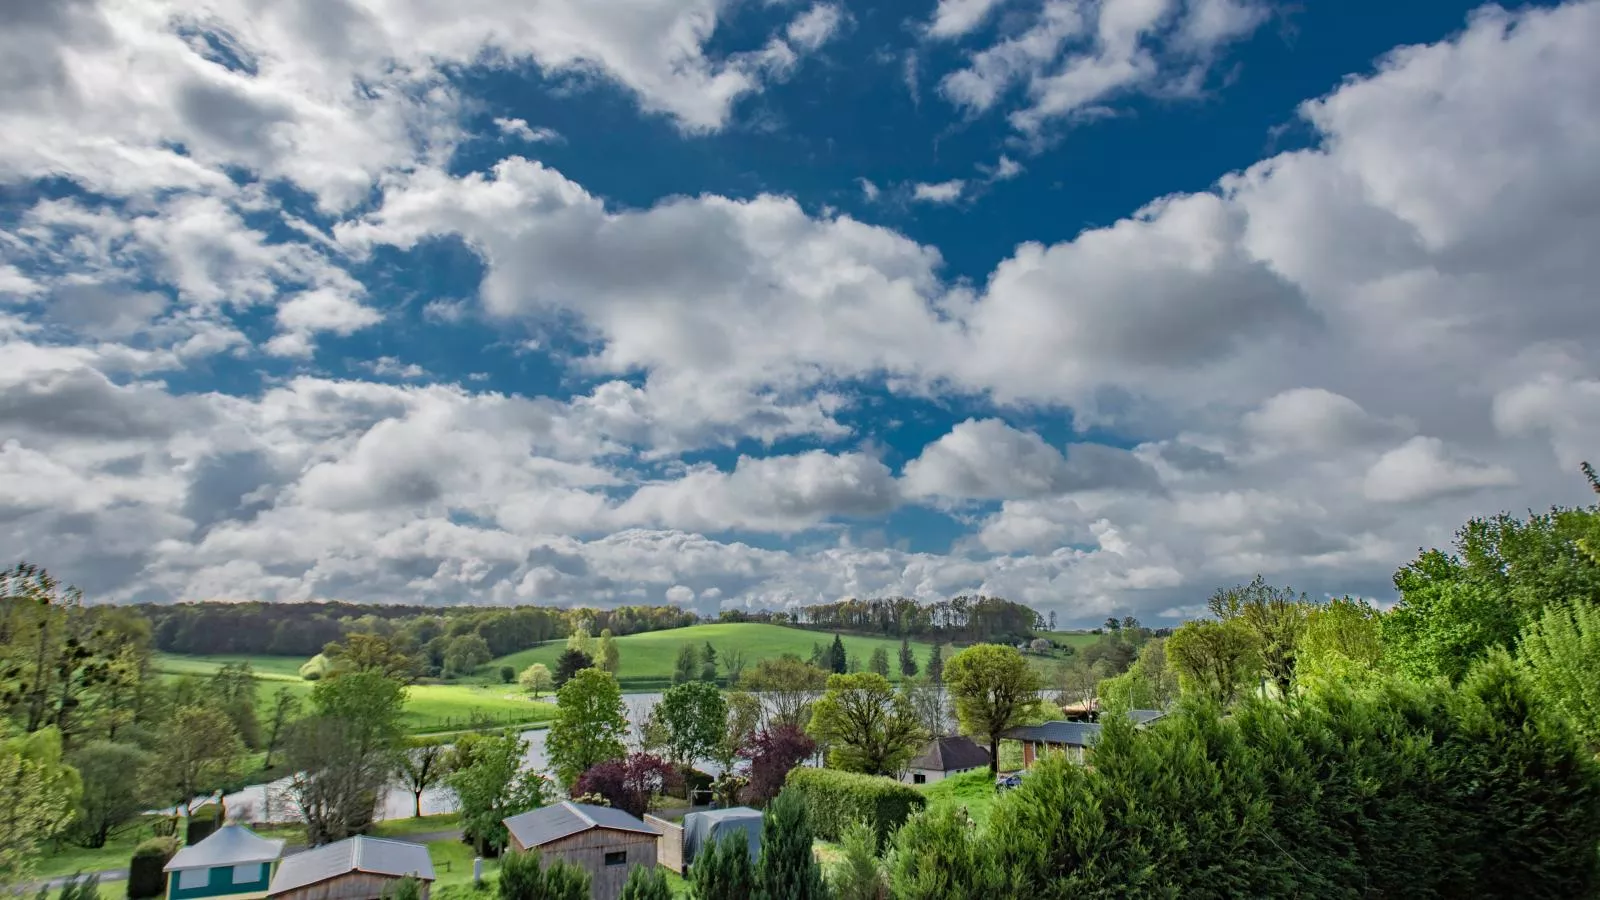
point(268, 803)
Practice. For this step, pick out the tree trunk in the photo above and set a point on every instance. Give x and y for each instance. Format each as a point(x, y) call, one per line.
point(994, 756)
point(416, 804)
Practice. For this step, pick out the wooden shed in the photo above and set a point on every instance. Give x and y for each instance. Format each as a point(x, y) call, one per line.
point(607, 843)
point(358, 868)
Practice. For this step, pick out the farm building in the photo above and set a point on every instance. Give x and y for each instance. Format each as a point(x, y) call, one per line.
point(232, 862)
point(605, 842)
point(943, 757)
point(358, 868)
point(1071, 738)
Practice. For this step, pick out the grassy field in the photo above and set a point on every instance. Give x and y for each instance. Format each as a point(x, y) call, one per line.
point(974, 790)
point(647, 659)
point(429, 707)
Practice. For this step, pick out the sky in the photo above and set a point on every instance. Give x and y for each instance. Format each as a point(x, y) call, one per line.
point(1096, 305)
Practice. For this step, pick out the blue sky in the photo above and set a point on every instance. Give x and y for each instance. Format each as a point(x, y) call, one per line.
point(1094, 305)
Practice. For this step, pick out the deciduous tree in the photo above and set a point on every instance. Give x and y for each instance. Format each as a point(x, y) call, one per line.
point(687, 666)
point(627, 784)
point(198, 748)
point(492, 785)
point(589, 727)
point(866, 725)
point(37, 795)
point(787, 688)
point(344, 752)
point(422, 765)
point(772, 753)
point(1218, 660)
point(390, 656)
point(113, 791)
point(879, 663)
point(993, 689)
point(693, 718)
point(607, 654)
point(536, 680)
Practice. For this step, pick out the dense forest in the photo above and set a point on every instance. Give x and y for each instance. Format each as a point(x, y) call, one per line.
point(962, 619)
point(303, 629)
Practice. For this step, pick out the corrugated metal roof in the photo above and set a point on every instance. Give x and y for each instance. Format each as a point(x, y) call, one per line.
point(377, 856)
point(551, 823)
point(950, 753)
point(1077, 734)
point(230, 845)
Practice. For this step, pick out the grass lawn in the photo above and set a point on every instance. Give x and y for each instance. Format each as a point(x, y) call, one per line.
point(429, 707)
point(974, 790)
point(647, 659)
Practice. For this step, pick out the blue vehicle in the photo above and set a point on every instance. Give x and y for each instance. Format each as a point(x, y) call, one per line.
point(1007, 782)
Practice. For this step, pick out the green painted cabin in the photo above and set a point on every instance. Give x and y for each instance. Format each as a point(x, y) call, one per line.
point(233, 862)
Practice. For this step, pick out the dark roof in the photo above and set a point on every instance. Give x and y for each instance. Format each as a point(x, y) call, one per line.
point(358, 854)
point(948, 754)
point(230, 845)
point(552, 823)
point(1075, 734)
point(1145, 716)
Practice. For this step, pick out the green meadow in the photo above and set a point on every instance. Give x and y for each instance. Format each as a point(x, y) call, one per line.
point(647, 660)
point(429, 707)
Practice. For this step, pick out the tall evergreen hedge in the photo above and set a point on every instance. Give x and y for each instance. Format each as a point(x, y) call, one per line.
point(1400, 790)
point(836, 800)
point(145, 875)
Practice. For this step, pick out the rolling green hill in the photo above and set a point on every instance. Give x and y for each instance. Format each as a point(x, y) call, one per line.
point(647, 659)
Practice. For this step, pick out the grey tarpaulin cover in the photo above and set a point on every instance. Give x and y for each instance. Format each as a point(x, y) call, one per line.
point(701, 829)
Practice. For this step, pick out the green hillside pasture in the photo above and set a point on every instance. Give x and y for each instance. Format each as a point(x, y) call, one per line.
point(267, 668)
point(647, 659)
point(429, 707)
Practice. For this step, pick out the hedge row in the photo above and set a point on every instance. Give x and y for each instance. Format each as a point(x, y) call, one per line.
point(836, 800)
point(145, 875)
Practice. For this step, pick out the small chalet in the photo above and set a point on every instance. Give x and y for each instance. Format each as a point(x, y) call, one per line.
point(943, 757)
point(232, 862)
point(605, 842)
point(1071, 738)
point(358, 868)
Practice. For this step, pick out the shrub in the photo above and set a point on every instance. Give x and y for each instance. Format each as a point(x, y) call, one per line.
point(201, 823)
point(628, 784)
point(646, 883)
point(836, 799)
point(522, 878)
point(857, 875)
point(145, 878)
point(773, 753)
point(722, 871)
point(407, 888)
point(507, 674)
point(80, 887)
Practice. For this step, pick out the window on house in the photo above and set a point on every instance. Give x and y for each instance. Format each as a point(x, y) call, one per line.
point(247, 874)
point(617, 858)
point(918, 778)
point(189, 879)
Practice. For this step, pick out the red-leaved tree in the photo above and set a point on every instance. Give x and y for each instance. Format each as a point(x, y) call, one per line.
point(772, 752)
point(627, 784)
